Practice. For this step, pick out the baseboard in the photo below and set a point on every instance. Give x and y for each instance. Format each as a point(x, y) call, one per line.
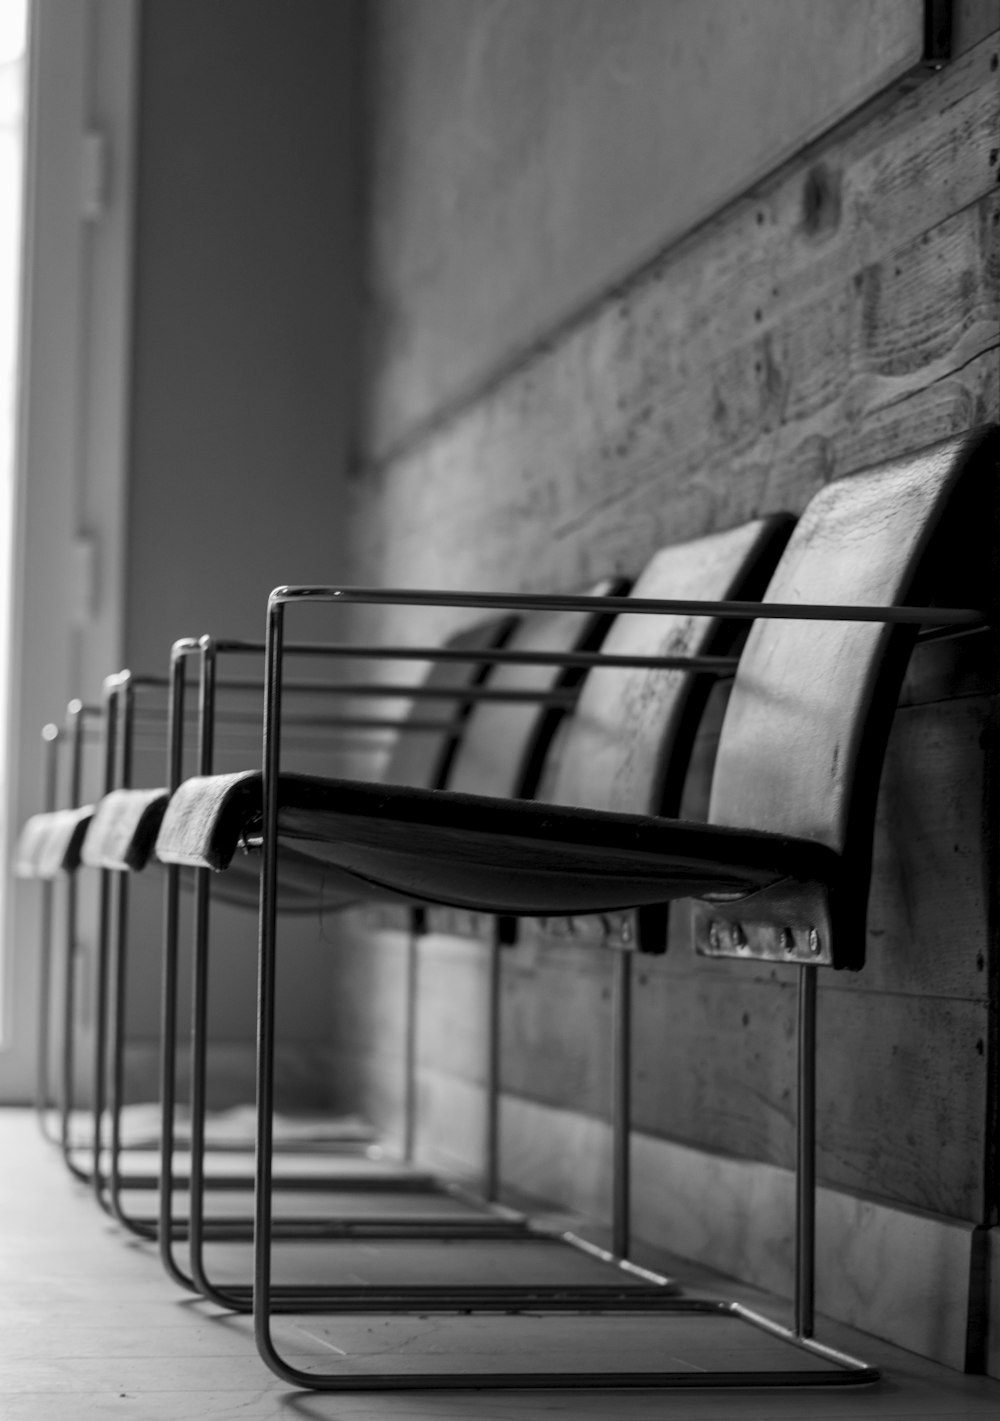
point(898, 1274)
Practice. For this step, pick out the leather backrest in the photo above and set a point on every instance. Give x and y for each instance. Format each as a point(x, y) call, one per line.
point(811, 699)
point(629, 723)
point(421, 758)
point(503, 743)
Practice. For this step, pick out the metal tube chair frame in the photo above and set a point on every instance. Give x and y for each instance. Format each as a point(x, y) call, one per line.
point(843, 1368)
point(499, 1222)
point(51, 735)
point(116, 735)
point(78, 716)
point(119, 724)
point(112, 930)
point(53, 739)
point(119, 742)
point(119, 690)
point(79, 722)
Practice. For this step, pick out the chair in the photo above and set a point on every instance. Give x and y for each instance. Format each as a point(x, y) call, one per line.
point(717, 566)
point(59, 843)
point(48, 850)
point(517, 715)
point(778, 873)
point(423, 752)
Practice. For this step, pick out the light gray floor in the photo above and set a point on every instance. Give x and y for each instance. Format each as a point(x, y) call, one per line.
point(90, 1328)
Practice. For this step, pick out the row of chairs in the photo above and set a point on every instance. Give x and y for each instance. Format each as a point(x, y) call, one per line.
point(542, 801)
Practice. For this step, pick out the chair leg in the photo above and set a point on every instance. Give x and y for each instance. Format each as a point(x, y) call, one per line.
point(42, 1092)
point(109, 1031)
point(115, 1181)
point(100, 1037)
point(621, 1108)
point(166, 1229)
point(805, 1157)
point(199, 1051)
point(50, 743)
point(412, 986)
point(68, 1063)
point(491, 1148)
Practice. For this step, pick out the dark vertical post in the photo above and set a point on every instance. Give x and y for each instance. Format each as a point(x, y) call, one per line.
point(119, 966)
point(805, 1161)
point(110, 713)
point(50, 766)
point(621, 1105)
point(266, 983)
point(199, 981)
point(410, 1045)
point(491, 1169)
point(74, 729)
point(168, 1003)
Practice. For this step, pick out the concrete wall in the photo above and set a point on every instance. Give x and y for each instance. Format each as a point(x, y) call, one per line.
point(525, 156)
point(244, 311)
point(247, 232)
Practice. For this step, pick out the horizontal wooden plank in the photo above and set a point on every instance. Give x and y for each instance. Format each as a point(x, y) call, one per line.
point(902, 1110)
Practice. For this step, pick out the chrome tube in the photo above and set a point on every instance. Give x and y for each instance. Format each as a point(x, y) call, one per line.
point(50, 772)
point(805, 1156)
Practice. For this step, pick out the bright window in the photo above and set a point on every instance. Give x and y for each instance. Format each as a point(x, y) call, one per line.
point(13, 18)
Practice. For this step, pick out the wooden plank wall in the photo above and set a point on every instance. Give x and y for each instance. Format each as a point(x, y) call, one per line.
point(844, 311)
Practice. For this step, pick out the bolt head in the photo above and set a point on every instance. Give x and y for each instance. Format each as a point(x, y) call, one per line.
point(787, 940)
point(737, 936)
point(714, 936)
point(815, 946)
